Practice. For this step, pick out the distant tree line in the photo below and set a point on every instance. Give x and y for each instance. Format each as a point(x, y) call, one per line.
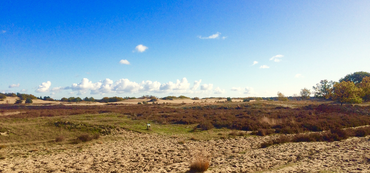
point(353, 88)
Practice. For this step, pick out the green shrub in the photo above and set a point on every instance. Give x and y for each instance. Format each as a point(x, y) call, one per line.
point(18, 102)
point(29, 100)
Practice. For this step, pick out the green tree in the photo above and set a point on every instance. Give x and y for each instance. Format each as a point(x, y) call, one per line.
point(281, 97)
point(324, 89)
point(365, 86)
point(29, 100)
point(305, 93)
point(355, 77)
point(78, 99)
point(18, 102)
point(347, 92)
point(64, 99)
point(71, 99)
point(105, 99)
point(229, 99)
point(2, 96)
point(91, 99)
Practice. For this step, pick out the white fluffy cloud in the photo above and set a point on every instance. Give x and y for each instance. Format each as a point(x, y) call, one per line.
point(149, 86)
point(3, 31)
point(14, 86)
point(43, 87)
point(236, 89)
point(255, 62)
point(196, 84)
point(206, 87)
point(23, 90)
point(276, 58)
point(218, 90)
point(298, 76)
point(124, 61)
point(214, 36)
point(264, 66)
point(249, 91)
point(141, 48)
point(179, 85)
point(126, 86)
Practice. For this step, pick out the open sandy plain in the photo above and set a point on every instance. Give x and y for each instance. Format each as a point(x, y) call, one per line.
point(128, 151)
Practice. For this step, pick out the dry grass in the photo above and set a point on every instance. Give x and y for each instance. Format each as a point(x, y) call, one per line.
point(199, 164)
point(60, 139)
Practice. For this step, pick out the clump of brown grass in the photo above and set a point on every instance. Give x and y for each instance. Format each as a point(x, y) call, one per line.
point(60, 139)
point(85, 137)
point(2, 146)
point(199, 164)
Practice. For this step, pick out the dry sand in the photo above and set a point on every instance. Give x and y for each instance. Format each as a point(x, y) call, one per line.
point(135, 152)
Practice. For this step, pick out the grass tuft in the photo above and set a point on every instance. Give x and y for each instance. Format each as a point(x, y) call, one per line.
point(200, 164)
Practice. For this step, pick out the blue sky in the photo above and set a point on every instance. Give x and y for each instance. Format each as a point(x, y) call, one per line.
point(193, 48)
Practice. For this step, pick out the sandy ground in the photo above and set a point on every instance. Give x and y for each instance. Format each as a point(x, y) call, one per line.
point(135, 152)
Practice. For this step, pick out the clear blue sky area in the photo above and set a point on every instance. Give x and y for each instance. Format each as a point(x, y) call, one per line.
point(193, 48)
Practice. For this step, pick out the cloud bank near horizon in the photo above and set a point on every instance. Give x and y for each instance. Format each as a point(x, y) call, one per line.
point(123, 85)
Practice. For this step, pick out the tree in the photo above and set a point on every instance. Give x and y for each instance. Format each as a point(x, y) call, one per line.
point(324, 89)
point(64, 99)
point(18, 102)
point(305, 93)
point(78, 99)
point(281, 97)
point(347, 92)
point(91, 99)
point(355, 77)
point(229, 99)
point(29, 100)
point(365, 86)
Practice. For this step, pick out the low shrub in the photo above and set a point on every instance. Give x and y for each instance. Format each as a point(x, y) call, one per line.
point(263, 132)
point(200, 164)
point(205, 125)
point(85, 138)
point(59, 139)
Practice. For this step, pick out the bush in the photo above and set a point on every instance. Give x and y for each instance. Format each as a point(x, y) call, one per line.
point(59, 139)
point(29, 100)
point(196, 98)
point(200, 164)
point(85, 138)
point(264, 132)
point(229, 99)
point(205, 125)
point(18, 102)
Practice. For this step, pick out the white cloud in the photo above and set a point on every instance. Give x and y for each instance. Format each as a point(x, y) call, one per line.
point(150, 86)
point(57, 89)
point(218, 90)
point(236, 89)
point(206, 87)
point(126, 86)
point(3, 31)
point(264, 66)
point(249, 91)
point(298, 76)
point(14, 86)
point(141, 48)
point(255, 62)
point(43, 87)
point(223, 38)
point(276, 58)
point(23, 90)
point(84, 85)
point(123, 61)
point(214, 36)
point(196, 84)
point(179, 85)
